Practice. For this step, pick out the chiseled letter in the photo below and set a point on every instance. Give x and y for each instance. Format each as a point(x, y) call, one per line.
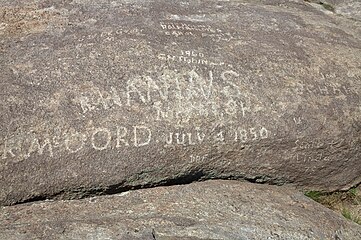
point(147, 134)
point(121, 133)
point(36, 146)
point(131, 88)
point(107, 142)
point(76, 136)
point(8, 149)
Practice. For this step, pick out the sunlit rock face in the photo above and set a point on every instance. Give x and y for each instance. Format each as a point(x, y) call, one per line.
point(103, 96)
point(209, 210)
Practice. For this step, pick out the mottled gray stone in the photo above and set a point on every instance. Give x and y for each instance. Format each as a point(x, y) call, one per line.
point(209, 210)
point(103, 96)
point(347, 8)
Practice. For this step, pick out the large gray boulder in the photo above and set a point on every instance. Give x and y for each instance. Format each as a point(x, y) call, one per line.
point(210, 210)
point(103, 96)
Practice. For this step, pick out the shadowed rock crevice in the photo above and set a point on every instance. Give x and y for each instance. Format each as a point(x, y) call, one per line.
point(210, 210)
point(325, 5)
point(183, 179)
point(350, 9)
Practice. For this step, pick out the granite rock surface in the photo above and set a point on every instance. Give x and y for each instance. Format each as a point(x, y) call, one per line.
point(99, 97)
point(211, 210)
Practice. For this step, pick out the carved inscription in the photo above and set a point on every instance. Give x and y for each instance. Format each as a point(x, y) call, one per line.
point(185, 26)
point(325, 89)
point(199, 158)
point(99, 138)
point(174, 96)
point(251, 134)
point(119, 137)
point(111, 35)
point(305, 151)
point(190, 57)
point(240, 135)
point(191, 29)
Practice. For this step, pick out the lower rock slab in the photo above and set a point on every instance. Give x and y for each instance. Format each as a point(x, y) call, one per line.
point(205, 210)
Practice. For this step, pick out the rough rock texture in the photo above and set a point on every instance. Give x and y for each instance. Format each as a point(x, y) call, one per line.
point(348, 8)
point(207, 210)
point(102, 96)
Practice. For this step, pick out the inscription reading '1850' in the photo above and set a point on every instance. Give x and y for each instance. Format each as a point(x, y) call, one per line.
point(119, 137)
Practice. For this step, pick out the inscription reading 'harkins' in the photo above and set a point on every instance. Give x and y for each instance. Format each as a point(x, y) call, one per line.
point(174, 96)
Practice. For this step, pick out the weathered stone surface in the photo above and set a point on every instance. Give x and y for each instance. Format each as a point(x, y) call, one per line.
point(207, 210)
point(100, 96)
point(347, 8)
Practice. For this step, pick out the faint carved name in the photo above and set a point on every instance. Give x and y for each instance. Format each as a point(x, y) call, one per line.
point(186, 29)
point(190, 57)
point(174, 96)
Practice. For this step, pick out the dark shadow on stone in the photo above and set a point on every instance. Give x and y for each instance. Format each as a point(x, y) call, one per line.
point(325, 5)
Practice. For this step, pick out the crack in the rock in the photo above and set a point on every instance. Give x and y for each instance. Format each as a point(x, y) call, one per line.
point(331, 8)
point(186, 178)
point(196, 175)
point(153, 234)
point(325, 5)
point(191, 176)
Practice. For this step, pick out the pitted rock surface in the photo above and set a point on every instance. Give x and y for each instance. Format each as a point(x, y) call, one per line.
point(210, 210)
point(347, 8)
point(103, 96)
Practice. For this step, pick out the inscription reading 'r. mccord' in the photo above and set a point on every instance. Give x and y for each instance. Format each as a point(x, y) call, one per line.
point(99, 139)
point(120, 137)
